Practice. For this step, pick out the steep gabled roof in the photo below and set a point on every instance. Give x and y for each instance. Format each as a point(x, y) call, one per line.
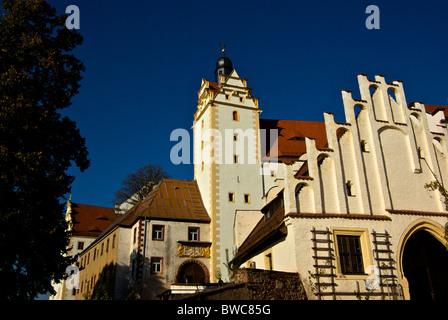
point(171, 199)
point(290, 142)
point(90, 220)
point(269, 229)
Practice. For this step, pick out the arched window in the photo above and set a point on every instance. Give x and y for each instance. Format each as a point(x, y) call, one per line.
point(235, 116)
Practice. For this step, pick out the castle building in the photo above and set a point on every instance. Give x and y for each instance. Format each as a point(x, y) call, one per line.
point(357, 209)
point(86, 223)
point(162, 240)
point(352, 213)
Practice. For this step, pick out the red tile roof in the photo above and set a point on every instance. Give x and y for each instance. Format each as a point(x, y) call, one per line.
point(91, 220)
point(291, 138)
point(434, 109)
point(214, 85)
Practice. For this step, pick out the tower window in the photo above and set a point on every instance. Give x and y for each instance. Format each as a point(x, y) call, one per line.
point(236, 158)
point(227, 96)
point(236, 137)
point(235, 116)
point(247, 198)
point(231, 197)
point(241, 99)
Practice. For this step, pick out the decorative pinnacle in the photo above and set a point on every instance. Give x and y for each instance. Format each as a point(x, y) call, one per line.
point(223, 49)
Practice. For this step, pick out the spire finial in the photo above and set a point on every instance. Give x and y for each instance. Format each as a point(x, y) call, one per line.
point(223, 49)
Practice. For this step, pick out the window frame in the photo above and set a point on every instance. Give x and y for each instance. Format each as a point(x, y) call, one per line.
point(366, 253)
point(235, 116)
point(160, 261)
point(162, 238)
point(198, 232)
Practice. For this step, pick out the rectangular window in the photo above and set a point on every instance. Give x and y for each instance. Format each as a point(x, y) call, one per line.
point(135, 235)
point(193, 234)
point(231, 197)
point(113, 241)
point(107, 245)
point(236, 158)
point(350, 254)
point(156, 265)
point(246, 198)
point(158, 232)
point(80, 245)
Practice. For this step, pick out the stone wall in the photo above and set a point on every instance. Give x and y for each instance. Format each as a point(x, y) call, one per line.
point(255, 284)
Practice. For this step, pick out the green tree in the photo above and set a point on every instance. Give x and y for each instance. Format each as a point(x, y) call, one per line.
point(38, 77)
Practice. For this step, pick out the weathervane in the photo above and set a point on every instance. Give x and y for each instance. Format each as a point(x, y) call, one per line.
point(223, 48)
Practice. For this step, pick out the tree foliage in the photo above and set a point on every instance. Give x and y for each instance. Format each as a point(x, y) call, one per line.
point(38, 77)
point(136, 186)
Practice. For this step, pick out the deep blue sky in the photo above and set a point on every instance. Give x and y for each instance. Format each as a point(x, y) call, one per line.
point(145, 61)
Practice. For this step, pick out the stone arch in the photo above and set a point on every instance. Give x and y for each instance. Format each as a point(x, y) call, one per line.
point(192, 271)
point(272, 193)
point(395, 105)
point(376, 97)
point(431, 227)
point(327, 183)
point(304, 198)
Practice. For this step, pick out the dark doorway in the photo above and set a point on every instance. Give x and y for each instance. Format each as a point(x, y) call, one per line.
point(191, 273)
point(425, 266)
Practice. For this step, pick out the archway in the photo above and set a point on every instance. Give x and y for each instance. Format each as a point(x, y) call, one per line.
point(425, 260)
point(192, 271)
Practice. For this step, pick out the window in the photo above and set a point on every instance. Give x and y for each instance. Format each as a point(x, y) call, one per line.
point(231, 197)
point(246, 198)
point(350, 254)
point(157, 232)
point(236, 158)
point(113, 241)
point(349, 187)
point(135, 235)
point(227, 97)
point(235, 116)
point(107, 245)
point(80, 245)
point(102, 248)
point(156, 265)
point(241, 99)
point(236, 137)
point(193, 234)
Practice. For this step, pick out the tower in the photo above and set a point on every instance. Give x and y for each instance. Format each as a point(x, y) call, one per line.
point(226, 157)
